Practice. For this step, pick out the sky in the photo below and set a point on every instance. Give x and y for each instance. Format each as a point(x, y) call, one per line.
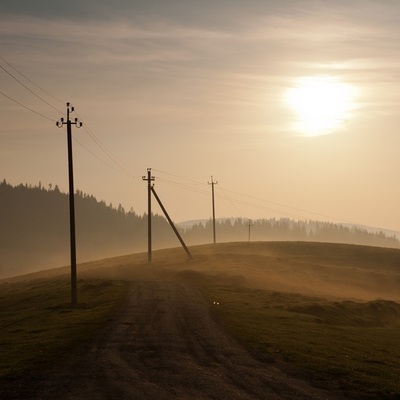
point(194, 89)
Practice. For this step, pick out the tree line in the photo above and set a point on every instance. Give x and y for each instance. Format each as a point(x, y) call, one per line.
point(34, 230)
point(237, 229)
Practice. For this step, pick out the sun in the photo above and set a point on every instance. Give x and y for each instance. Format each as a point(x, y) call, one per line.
point(321, 104)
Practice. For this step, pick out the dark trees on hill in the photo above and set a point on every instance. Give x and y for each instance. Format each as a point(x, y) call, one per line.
point(34, 229)
point(236, 230)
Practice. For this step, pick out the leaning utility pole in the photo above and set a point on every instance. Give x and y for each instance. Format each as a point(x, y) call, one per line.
point(171, 223)
point(212, 183)
point(150, 189)
point(69, 124)
point(149, 179)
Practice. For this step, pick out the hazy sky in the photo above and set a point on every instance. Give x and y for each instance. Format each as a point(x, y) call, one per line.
point(199, 88)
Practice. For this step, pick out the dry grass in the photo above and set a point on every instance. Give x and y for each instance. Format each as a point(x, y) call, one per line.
point(38, 326)
point(330, 312)
point(347, 347)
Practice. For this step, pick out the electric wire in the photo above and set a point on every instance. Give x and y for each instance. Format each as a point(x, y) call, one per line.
point(29, 80)
point(238, 201)
point(90, 133)
point(26, 107)
point(27, 88)
point(232, 204)
point(103, 148)
point(293, 208)
point(95, 155)
point(243, 202)
point(180, 177)
point(182, 186)
point(169, 182)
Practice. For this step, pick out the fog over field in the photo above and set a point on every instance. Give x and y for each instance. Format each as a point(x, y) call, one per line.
point(315, 269)
point(267, 312)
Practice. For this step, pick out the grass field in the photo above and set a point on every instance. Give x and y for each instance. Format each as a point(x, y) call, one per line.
point(38, 326)
point(328, 313)
point(348, 347)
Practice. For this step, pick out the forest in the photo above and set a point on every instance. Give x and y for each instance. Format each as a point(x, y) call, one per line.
point(34, 230)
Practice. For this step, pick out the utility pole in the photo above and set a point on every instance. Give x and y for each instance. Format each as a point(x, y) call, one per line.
point(78, 124)
point(250, 224)
point(149, 179)
point(150, 189)
point(212, 183)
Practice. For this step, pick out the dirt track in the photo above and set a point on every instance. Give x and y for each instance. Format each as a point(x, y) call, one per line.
point(164, 345)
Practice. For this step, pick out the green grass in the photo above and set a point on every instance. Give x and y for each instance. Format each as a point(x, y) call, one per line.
point(38, 326)
point(315, 338)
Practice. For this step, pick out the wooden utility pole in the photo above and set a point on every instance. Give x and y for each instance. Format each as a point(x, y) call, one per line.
point(149, 179)
point(250, 224)
point(78, 124)
point(150, 189)
point(212, 183)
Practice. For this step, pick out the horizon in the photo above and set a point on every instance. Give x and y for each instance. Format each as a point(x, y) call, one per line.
point(190, 222)
point(292, 107)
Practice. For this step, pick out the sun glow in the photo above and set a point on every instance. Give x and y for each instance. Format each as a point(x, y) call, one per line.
point(322, 104)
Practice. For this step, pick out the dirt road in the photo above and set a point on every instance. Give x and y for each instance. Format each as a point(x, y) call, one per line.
point(165, 345)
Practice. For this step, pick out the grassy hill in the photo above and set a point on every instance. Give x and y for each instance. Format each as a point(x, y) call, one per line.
point(329, 313)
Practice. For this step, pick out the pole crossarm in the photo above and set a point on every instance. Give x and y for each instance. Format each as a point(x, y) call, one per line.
point(60, 123)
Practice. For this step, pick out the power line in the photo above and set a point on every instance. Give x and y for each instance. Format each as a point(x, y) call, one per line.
point(31, 91)
point(181, 177)
point(106, 152)
point(26, 107)
point(182, 186)
point(243, 202)
point(90, 133)
point(33, 83)
point(238, 201)
point(258, 206)
point(228, 200)
point(294, 208)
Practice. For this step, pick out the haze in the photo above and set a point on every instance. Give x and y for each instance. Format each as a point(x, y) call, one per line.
point(194, 89)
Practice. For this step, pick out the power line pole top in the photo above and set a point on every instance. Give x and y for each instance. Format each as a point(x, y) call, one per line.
point(212, 181)
point(149, 177)
point(75, 122)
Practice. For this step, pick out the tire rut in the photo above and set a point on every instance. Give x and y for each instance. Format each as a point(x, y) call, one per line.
point(165, 345)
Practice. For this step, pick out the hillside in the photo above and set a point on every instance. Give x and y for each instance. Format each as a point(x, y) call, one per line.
point(34, 230)
point(289, 306)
